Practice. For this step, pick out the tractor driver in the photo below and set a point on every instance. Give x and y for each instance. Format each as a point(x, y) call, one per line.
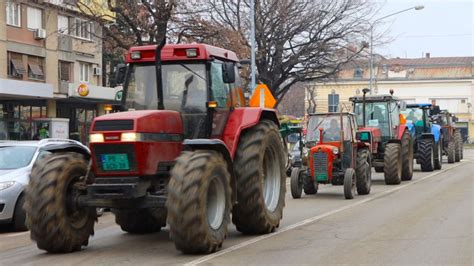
point(334, 131)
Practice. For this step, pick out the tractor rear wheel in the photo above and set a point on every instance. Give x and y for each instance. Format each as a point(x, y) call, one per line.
point(407, 156)
point(438, 162)
point(457, 146)
point(199, 202)
point(451, 152)
point(363, 172)
point(140, 221)
point(309, 187)
point(56, 223)
point(296, 183)
point(392, 164)
point(349, 183)
point(261, 180)
point(426, 155)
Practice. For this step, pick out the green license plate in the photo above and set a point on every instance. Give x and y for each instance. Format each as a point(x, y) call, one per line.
point(115, 162)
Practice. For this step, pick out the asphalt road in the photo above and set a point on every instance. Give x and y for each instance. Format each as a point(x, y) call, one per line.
point(428, 220)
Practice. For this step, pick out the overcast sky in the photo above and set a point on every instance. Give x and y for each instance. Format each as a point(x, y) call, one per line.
point(442, 28)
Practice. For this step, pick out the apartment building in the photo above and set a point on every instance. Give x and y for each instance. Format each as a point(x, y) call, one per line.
point(444, 81)
point(50, 67)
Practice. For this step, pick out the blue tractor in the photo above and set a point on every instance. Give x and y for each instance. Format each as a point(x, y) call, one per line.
point(428, 145)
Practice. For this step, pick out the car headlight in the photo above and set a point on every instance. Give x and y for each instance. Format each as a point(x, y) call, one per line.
point(5, 185)
point(335, 151)
point(96, 138)
point(131, 137)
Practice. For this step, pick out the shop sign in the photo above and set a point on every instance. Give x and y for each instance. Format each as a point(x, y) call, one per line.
point(83, 90)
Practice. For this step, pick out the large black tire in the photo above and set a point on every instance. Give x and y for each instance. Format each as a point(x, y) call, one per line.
point(407, 156)
point(199, 202)
point(261, 181)
point(438, 162)
point(19, 215)
point(426, 155)
point(378, 169)
point(309, 187)
point(55, 225)
point(451, 151)
point(349, 183)
point(457, 146)
point(296, 183)
point(392, 164)
point(140, 221)
point(363, 172)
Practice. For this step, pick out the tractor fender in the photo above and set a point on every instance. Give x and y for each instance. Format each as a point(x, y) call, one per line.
point(69, 147)
point(436, 131)
point(242, 118)
point(401, 131)
point(220, 147)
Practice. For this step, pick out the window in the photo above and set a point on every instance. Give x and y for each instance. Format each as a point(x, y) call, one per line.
point(63, 24)
point(84, 72)
point(65, 71)
point(16, 68)
point(220, 90)
point(35, 67)
point(35, 18)
point(13, 13)
point(82, 29)
point(358, 72)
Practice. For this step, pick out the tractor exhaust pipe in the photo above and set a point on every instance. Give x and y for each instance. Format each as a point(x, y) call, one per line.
point(159, 77)
point(363, 105)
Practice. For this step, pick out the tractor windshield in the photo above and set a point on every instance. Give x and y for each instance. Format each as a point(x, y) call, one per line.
point(376, 115)
point(184, 87)
point(414, 115)
point(331, 125)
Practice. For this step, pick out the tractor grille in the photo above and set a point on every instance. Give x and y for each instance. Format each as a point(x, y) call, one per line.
point(320, 165)
point(113, 125)
point(115, 149)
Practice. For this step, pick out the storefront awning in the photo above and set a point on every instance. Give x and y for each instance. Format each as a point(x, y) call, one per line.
point(25, 89)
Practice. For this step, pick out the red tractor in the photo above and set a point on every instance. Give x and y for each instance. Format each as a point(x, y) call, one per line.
point(187, 153)
point(334, 157)
point(382, 127)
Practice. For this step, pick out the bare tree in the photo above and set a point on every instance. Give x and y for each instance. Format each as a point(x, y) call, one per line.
point(297, 40)
point(293, 103)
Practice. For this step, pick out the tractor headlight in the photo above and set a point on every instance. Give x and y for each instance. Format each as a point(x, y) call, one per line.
point(5, 185)
point(335, 151)
point(96, 138)
point(130, 137)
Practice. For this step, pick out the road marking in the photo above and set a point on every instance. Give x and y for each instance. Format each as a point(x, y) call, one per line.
point(312, 219)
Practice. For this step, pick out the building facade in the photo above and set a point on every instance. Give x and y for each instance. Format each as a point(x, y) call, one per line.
point(50, 67)
point(444, 81)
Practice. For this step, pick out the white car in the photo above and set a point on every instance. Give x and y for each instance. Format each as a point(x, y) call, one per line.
point(16, 160)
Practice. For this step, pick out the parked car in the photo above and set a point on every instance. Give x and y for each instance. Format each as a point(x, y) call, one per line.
point(16, 160)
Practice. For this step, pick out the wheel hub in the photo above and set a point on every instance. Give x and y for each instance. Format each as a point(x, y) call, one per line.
point(271, 180)
point(215, 206)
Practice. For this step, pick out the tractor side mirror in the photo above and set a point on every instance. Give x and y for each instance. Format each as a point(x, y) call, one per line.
point(121, 70)
point(228, 72)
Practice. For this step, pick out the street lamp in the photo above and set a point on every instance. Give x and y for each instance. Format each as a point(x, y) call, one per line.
point(371, 78)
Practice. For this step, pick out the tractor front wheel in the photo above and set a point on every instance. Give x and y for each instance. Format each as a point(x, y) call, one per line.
point(140, 221)
point(451, 151)
point(296, 183)
point(349, 183)
point(407, 156)
point(56, 223)
point(199, 202)
point(261, 180)
point(438, 162)
point(392, 164)
point(363, 172)
point(457, 146)
point(426, 155)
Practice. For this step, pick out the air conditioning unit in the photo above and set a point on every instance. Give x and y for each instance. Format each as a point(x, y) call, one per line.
point(97, 71)
point(40, 34)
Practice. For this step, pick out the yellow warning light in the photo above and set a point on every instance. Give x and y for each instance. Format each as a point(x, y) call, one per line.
point(262, 97)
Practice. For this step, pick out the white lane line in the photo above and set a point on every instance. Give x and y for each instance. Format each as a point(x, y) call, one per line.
point(312, 219)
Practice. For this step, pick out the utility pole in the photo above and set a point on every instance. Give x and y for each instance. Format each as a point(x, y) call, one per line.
point(252, 42)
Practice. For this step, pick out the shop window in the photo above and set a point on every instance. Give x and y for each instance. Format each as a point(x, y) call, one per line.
point(35, 68)
point(35, 18)
point(13, 13)
point(65, 71)
point(84, 72)
point(16, 68)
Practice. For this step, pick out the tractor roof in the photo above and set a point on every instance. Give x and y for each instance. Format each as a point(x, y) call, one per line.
point(374, 98)
point(332, 114)
point(178, 52)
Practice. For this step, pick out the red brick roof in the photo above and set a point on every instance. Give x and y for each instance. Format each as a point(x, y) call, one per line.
point(466, 60)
